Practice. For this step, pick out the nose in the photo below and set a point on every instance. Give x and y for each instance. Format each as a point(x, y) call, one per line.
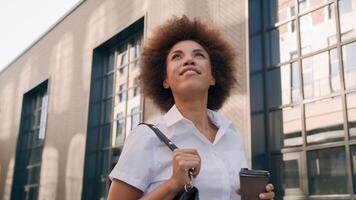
point(189, 61)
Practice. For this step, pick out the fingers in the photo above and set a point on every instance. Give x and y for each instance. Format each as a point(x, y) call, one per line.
point(269, 187)
point(238, 191)
point(269, 194)
point(187, 159)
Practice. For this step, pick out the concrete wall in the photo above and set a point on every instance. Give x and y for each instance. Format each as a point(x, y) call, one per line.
point(64, 56)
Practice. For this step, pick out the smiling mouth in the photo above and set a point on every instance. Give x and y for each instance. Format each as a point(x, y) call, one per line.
point(190, 71)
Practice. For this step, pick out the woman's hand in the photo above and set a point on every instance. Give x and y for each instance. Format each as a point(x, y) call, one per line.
point(269, 194)
point(183, 160)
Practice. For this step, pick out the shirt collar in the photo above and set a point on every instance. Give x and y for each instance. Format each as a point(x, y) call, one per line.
point(173, 116)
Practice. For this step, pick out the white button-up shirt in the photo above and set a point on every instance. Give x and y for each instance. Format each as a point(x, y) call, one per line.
point(146, 162)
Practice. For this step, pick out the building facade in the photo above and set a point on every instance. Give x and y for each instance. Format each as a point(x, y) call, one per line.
point(302, 88)
point(69, 101)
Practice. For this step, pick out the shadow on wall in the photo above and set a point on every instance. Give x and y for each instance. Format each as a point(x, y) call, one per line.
point(74, 169)
point(8, 181)
point(6, 113)
point(49, 174)
point(62, 72)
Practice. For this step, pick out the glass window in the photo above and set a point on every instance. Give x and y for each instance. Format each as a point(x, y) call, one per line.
point(351, 114)
point(108, 85)
point(256, 53)
point(324, 121)
point(321, 74)
point(256, 91)
point(135, 117)
point(258, 135)
point(285, 128)
point(283, 85)
point(30, 145)
point(109, 63)
point(326, 168)
point(281, 43)
point(120, 124)
point(347, 10)
point(305, 5)
point(315, 29)
point(107, 112)
point(136, 90)
point(280, 10)
point(254, 20)
point(353, 161)
point(122, 93)
point(349, 61)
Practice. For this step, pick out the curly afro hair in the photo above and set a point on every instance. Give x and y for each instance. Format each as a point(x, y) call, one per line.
point(155, 50)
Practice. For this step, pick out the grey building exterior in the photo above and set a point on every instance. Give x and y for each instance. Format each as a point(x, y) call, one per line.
point(68, 102)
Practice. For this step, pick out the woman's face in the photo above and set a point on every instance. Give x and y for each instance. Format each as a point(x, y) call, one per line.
point(188, 69)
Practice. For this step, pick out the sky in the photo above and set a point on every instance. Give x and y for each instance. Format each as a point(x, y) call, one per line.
point(22, 22)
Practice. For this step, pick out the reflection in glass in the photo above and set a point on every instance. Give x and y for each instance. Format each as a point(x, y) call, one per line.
point(107, 112)
point(120, 124)
point(316, 29)
point(122, 60)
point(281, 44)
point(351, 114)
point(321, 74)
point(305, 5)
point(347, 10)
point(324, 121)
point(280, 10)
point(122, 92)
point(135, 117)
point(286, 177)
point(108, 84)
point(283, 85)
point(327, 171)
point(136, 90)
point(349, 60)
point(285, 128)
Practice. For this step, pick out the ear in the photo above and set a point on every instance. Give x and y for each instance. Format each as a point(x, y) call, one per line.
point(212, 82)
point(165, 84)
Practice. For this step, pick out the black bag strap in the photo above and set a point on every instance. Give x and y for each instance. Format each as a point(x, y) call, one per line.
point(161, 136)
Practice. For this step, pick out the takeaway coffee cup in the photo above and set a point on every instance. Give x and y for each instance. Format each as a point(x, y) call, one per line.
point(252, 183)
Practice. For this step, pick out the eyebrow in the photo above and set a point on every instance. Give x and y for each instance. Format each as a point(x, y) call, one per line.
point(180, 51)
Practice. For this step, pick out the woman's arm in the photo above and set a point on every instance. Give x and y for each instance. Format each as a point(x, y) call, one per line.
point(121, 190)
point(183, 159)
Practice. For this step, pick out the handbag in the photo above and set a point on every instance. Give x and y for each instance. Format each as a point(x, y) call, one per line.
point(190, 192)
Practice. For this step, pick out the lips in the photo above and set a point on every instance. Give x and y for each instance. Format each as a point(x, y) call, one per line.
point(189, 69)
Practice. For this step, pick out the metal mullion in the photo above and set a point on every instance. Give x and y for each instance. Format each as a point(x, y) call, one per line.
point(304, 165)
point(314, 8)
point(315, 99)
point(292, 149)
point(113, 96)
point(127, 85)
point(265, 88)
point(349, 41)
point(343, 99)
point(321, 146)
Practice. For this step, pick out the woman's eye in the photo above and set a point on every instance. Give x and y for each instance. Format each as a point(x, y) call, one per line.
point(199, 55)
point(176, 56)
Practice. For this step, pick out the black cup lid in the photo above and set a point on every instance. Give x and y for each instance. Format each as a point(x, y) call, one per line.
point(254, 173)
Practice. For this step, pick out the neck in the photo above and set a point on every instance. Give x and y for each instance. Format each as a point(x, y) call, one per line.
point(196, 111)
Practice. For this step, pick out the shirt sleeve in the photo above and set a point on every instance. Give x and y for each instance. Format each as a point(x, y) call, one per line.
point(136, 161)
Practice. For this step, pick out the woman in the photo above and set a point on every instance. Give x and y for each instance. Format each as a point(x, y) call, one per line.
point(187, 69)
